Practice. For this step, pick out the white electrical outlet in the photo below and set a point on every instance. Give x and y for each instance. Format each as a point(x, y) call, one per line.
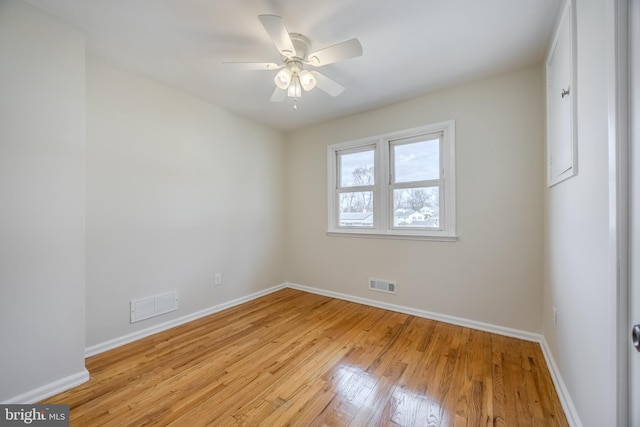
point(217, 281)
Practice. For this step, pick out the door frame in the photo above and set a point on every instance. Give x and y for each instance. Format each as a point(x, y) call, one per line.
point(619, 195)
point(632, 91)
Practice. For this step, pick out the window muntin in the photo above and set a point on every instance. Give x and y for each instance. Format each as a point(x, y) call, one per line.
point(404, 189)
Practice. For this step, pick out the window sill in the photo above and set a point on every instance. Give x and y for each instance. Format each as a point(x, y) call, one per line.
point(396, 236)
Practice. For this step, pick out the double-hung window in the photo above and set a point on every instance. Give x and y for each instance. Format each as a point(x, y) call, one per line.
point(400, 184)
point(356, 188)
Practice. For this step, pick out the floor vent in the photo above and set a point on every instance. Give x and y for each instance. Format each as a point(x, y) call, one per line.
point(382, 285)
point(144, 308)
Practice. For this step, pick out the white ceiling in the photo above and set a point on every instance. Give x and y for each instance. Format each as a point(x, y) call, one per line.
point(411, 47)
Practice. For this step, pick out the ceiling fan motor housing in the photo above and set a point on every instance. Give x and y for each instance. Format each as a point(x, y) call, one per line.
point(295, 52)
point(302, 45)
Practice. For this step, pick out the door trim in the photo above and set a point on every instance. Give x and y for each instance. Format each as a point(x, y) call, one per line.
point(619, 196)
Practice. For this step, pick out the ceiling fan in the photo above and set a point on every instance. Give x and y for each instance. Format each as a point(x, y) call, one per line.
point(296, 55)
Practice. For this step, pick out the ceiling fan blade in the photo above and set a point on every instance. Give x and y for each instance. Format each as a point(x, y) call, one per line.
point(278, 95)
point(338, 52)
point(279, 34)
point(325, 84)
point(260, 66)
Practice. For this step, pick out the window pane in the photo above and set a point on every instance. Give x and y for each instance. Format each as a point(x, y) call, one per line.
point(356, 209)
point(416, 207)
point(417, 161)
point(357, 169)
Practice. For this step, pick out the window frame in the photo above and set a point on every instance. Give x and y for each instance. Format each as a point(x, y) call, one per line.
point(355, 189)
point(383, 214)
point(427, 183)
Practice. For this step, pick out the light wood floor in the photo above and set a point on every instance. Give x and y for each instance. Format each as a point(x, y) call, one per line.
point(294, 358)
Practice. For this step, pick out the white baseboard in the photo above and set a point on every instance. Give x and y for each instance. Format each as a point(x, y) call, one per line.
point(79, 378)
point(563, 394)
point(561, 389)
point(487, 327)
point(50, 389)
point(134, 336)
point(74, 380)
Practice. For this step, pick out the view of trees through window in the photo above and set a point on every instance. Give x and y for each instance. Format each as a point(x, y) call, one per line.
point(415, 185)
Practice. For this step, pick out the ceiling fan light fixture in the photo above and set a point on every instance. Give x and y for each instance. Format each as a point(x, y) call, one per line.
point(294, 50)
point(307, 80)
point(283, 78)
point(294, 90)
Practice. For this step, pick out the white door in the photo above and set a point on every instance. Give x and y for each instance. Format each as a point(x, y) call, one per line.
point(634, 295)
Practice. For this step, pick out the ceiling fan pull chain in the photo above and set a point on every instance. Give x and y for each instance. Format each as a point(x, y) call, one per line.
point(295, 104)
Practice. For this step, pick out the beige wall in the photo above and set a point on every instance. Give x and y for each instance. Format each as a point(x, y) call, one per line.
point(493, 273)
point(177, 190)
point(577, 248)
point(42, 200)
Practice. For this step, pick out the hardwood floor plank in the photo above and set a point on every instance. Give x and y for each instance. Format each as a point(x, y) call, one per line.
point(295, 358)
